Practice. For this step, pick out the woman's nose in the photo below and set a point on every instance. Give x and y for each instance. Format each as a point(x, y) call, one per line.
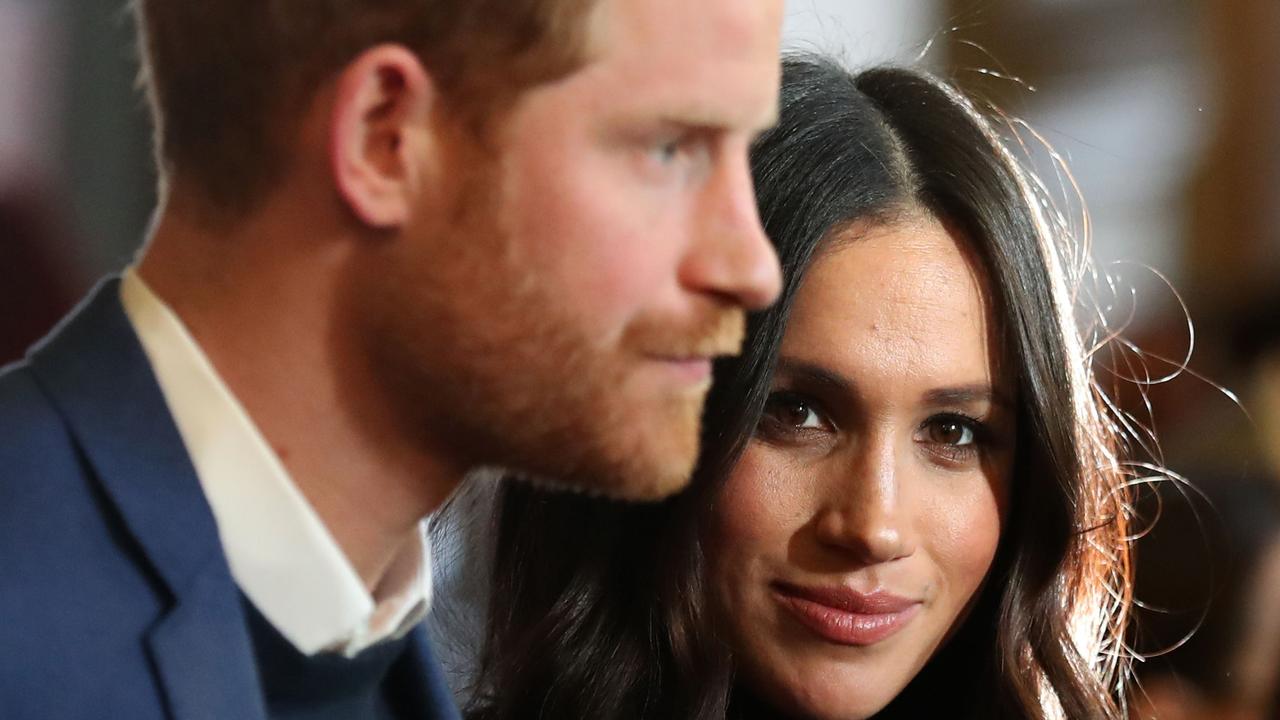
point(865, 514)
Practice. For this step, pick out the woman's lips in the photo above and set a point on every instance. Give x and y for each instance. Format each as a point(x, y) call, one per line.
point(844, 616)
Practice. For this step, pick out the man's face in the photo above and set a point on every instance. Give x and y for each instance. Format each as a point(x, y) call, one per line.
point(561, 321)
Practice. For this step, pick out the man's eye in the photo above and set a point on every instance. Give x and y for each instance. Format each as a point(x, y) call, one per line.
point(667, 152)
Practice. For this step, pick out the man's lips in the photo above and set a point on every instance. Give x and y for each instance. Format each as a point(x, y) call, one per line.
point(845, 616)
point(690, 369)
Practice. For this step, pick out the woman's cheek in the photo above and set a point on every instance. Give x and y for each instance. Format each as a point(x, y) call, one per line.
point(966, 534)
point(753, 507)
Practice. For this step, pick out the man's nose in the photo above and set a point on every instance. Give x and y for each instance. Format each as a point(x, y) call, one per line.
point(732, 257)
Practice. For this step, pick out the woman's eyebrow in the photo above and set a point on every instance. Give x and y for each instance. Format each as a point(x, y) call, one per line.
point(817, 376)
point(965, 394)
point(814, 375)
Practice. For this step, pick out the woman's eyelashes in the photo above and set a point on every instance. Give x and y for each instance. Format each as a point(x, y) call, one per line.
point(954, 438)
point(792, 417)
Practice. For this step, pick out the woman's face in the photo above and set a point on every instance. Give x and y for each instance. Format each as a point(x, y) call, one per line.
point(856, 530)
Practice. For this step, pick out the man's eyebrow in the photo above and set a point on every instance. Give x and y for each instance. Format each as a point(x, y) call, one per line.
point(710, 120)
point(965, 394)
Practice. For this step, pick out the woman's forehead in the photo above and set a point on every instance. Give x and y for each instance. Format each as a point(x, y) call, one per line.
point(904, 298)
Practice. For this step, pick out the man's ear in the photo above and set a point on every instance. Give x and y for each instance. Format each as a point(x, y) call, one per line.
point(381, 135)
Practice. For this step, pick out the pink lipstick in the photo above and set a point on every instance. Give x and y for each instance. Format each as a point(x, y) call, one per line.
point(845, 616)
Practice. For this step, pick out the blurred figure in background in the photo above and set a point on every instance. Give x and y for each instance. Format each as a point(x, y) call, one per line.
point(1208, 582)
point(1209, 569)
point(34, 290)
point(36, 285)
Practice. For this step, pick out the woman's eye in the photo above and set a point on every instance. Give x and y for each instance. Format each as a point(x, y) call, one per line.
point(952, 431)
point(794, 412)
point(956, 440)
point(793, 420)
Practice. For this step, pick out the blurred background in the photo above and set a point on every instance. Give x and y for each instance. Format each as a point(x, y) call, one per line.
point(1166, 113)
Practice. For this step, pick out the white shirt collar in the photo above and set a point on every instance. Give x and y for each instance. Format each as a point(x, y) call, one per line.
point(281, 554)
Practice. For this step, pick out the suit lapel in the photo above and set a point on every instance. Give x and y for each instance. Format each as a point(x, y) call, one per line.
point(96, 372)
point(204, 656)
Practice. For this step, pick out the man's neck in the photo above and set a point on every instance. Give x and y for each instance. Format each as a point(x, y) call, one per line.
point(264, 304)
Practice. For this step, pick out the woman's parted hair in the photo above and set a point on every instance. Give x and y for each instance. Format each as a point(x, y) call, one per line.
point(599, 609)
point(228, 79)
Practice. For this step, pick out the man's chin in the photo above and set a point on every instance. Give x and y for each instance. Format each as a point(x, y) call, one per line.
point(622, 445)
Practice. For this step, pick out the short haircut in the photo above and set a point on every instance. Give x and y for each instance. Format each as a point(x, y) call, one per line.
point(229, 80)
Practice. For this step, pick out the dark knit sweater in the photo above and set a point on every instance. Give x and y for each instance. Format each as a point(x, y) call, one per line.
point(327, 686)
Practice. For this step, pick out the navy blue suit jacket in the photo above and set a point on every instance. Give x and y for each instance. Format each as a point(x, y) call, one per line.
point(116, 600)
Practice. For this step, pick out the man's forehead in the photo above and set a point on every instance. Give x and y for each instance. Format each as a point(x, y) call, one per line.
point(709, 62)
point(730, 21)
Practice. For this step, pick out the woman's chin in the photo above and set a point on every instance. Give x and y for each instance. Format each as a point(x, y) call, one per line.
point(830, 693)
point(835, 707)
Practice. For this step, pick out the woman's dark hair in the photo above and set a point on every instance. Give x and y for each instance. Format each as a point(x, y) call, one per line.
point(599, 609)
